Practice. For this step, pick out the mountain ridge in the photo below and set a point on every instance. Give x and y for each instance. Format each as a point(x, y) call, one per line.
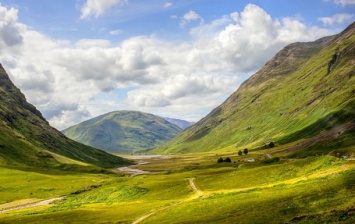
point(123, 131)
point(27, 139)
point(180, 123)
point(293, 90)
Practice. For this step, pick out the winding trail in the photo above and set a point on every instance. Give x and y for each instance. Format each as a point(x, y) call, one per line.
point(194, 188)
point(199, 193)
point(32, 204)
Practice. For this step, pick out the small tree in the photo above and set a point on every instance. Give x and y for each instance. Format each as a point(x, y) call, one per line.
point(240, 153)
point(246, 151)
point(228, 160)
point(271, 145)
point(220, 160)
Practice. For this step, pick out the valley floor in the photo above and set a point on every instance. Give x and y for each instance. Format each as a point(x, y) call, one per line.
point(188, 189)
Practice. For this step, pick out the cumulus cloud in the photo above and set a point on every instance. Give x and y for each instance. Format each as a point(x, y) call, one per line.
point(189, 17)
point(338, 18)
point(71, 81)
point(10, 31)
point(181, 88)
point(97, 8)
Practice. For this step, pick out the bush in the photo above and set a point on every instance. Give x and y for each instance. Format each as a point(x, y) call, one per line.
point(220, 160)
point(246, 151)
point(271, 145)
point(240, 152)
point(228, 160)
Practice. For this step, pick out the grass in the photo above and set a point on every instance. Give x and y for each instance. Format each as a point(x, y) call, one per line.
point(123, 131)
point(18, 185)
point(301, 103)
point(289, 190)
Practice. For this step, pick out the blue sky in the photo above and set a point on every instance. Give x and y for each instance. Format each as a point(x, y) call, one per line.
point(76, 59)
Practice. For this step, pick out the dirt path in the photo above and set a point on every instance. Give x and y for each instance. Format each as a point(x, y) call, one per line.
point(194, 188)
point(32, 204)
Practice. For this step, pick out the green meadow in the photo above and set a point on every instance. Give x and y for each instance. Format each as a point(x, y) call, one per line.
point(312, 189)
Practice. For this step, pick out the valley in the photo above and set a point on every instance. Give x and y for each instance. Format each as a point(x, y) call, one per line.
point(280, 149)
point(182, 188)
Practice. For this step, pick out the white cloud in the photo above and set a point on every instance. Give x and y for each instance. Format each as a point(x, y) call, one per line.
point(115, 32)
point(338, 18)
point(344, 2)
point(97, 8)
point(168, 5)
point(92, 43)
point(189, 17)
point(10, 31)
point(67, 80)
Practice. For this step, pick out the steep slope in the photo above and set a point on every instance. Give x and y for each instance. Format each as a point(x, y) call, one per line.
point(180, 123)
point(307, 88)
point(27, 140)
point(123, 131)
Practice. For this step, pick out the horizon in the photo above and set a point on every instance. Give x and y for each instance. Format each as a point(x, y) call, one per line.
point(179, 59)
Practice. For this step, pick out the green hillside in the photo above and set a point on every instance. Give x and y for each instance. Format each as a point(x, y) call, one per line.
point(305, 91)
point(27, 140)
point(123, 131)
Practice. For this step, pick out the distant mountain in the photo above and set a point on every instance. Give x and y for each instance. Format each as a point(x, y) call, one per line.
point(123, 131)
point(305, 93)
point(180, 123)
point(27, 140)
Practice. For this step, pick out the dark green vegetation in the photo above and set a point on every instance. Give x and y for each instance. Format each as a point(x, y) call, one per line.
point(123, 131)
point(305, 91)
point(27, 140)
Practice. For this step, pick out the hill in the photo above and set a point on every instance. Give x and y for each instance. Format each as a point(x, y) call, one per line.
point(27, 140)
point(180, 123)
point(305, 91)
point(123, 131)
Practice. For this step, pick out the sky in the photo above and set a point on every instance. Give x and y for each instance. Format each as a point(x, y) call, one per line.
point(77, 59)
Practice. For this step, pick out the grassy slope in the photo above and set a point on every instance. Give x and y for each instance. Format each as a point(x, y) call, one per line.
point(123, 131)
point(290, 98)
point(295, 190)
point(26, 138)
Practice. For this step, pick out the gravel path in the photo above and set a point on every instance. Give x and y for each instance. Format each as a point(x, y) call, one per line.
point(32, 204)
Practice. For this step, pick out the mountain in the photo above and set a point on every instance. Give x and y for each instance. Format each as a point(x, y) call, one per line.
point(180, 123)
point(123, 131)
point(27, 140)
point(304, 92)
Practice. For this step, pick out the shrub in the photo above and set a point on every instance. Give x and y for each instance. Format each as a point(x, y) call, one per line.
point(271, 145)
point(220, 160)
point(228, 160)
point(240, 152)
point(246, 151)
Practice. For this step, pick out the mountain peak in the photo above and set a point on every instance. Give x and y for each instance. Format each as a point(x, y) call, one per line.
point(123, 131)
